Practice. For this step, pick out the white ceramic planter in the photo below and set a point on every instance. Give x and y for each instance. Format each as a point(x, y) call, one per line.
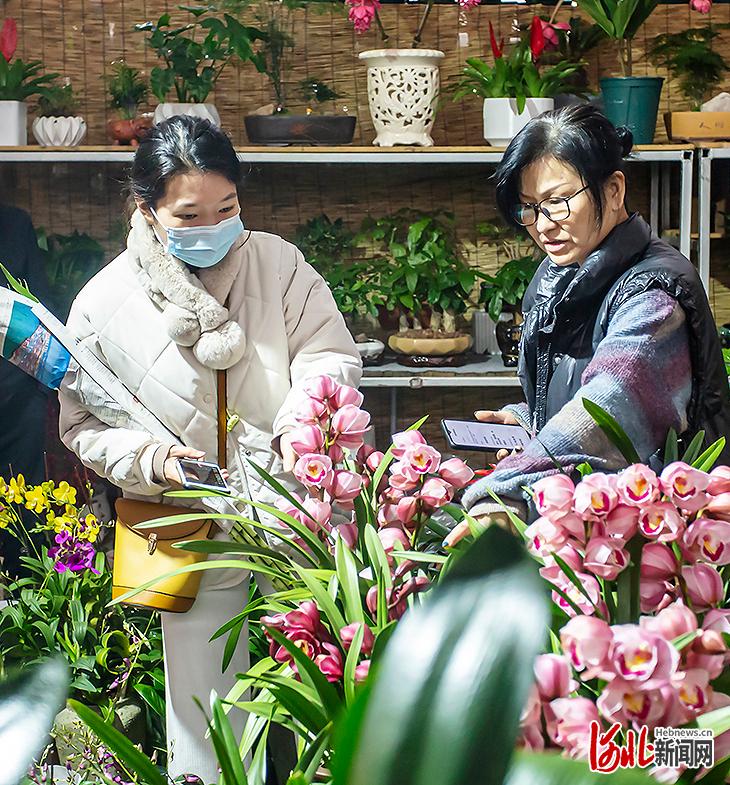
point(501, 121)
point(206, 111)
point(403, 90)
point(59, 131)
point(13, 124)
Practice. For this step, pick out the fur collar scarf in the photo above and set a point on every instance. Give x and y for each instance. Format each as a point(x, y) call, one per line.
point(192, 305)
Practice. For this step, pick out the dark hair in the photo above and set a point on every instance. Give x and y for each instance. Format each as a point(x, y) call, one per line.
point(178, 145)
point(580, 136)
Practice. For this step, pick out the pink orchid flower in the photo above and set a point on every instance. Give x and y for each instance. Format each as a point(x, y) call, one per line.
point(570, 725)
point(704, 586)
point(346, 396)
point(456, 473)
point(347, 635)
point(627, 702)
point(595, 496)
point(693, 690)
point(362, 671)
point(402, 441)
point(655, 594)
point(306, 439)
point(362, 13)
point(314, 470)
point(586, 640)
point(349, 425)
point(605, 557)
point(344, 486)
point(321, 388)
point(622, 523)
point(550, 33)
point(554, 496)
point(709, 541)
point(703, 6)
point(661, 522)
point(658, 562)
point(435, 493)
point(312, 412)
point(422, 459)
point(638, 485)
point(671, 622)
point(330, 662)
point(552, 676)
point(685, 486)
point(638, 655)
point(545, 537)
point(719, 481)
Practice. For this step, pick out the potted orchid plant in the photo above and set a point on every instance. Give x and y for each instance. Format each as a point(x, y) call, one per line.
point(398, 122)
point(19, 81)
point(515, 89)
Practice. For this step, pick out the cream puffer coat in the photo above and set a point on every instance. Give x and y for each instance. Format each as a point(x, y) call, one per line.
point(291, 332)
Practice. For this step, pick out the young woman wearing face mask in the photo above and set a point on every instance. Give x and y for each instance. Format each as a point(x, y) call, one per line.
point(614, 314)
point(195, 292)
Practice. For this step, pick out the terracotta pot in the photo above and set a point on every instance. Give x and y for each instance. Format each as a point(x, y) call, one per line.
point(129, 131)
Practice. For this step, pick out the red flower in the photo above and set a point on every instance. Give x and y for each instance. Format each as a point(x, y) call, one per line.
point(496, 50)
point(550, 32)
point(8, 39)
point(537, 37)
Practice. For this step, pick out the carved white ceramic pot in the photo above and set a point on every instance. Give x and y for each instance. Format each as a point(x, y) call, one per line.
point(59, 131)
point(403, 91)
point(206, 111)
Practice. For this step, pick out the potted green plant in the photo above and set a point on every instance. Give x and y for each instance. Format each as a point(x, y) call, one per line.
point(127, 89)
point(697, 67)
point(628, 100)
point(70, 261)
point(501, 296)
point(328, 245)
point(423, 281)
point(194, 55)
point(401, 115)
point(515, 89)
point(19, 80)
point(57, 123)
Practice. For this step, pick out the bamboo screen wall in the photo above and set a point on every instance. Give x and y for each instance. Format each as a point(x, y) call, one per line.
point(80, 39)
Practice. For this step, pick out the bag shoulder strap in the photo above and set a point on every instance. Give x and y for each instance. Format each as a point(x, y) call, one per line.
point(222, 381)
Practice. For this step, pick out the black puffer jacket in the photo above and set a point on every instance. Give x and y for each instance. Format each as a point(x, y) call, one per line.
point(568, 310)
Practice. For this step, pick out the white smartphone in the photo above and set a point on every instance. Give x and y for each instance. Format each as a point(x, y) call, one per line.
point(200, 475)
point(484, 436)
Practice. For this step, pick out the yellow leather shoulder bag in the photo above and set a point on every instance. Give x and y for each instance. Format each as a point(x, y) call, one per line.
point(140, 555)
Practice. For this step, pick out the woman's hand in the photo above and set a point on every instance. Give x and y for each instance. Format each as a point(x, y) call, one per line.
point(499, 418)
point(461, 530)
point(172, 475)
point(288, 456)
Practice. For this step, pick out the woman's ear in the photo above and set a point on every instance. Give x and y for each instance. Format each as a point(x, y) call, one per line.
point(145, 210)
point(615, 191)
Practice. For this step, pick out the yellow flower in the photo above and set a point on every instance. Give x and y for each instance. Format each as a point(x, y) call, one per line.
point(3, 486)
point(89, 528)
point(5, 517)
point(16, 492)
point(35, 499)
point(63, 524)
point(64, 494)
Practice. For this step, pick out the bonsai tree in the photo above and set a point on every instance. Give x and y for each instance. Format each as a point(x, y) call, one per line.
point(58, 101)
point(19, 80)
point(620, 20)
point(195, 54)
point(316, 92)
point(421, 269)
point(517, 75)
point(127, 90)
point(691, 60)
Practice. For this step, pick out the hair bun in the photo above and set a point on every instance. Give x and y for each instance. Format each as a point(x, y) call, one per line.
point(625, 139)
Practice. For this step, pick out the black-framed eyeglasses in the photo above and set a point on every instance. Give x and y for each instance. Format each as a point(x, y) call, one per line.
point(555, 208)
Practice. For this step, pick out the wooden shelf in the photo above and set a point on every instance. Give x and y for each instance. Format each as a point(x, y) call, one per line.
point(308, 154)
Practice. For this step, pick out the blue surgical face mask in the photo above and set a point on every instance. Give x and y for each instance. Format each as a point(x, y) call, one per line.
point(202, 246)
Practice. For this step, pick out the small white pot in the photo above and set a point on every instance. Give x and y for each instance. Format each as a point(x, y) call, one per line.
point(59, 131)
point(206, 111)
point(13, 124)
point(403, 91)
point(501, 121)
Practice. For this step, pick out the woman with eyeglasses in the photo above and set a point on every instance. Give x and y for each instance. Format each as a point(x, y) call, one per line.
point(613, 315)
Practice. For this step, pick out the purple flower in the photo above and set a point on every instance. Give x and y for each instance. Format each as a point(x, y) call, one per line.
point(72, 554)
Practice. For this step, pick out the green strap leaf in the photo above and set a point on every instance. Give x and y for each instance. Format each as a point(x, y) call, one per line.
point(613, 430)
